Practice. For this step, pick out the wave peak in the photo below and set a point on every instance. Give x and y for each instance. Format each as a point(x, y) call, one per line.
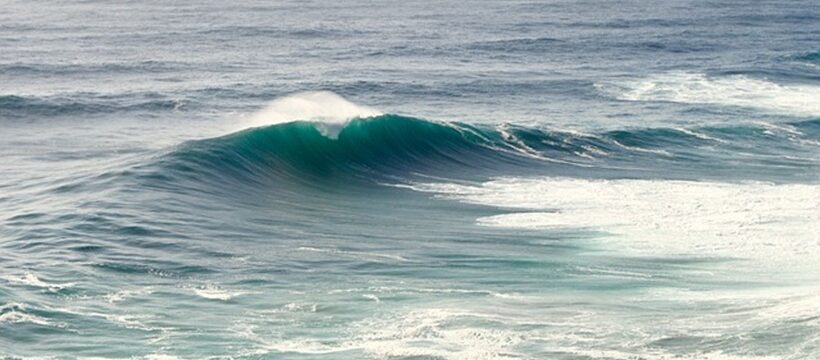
point(329, 110)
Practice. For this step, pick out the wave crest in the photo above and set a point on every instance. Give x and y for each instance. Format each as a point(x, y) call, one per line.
point(362, 148)
point(320, 106)
point(388, 147)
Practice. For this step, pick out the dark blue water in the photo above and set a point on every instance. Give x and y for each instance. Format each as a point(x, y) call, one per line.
point(410, 180)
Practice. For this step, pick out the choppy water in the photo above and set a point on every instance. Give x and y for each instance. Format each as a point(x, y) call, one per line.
point(534, 180)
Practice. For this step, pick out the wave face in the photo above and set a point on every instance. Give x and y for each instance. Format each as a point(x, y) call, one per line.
point(362, 149)
point(390, 147)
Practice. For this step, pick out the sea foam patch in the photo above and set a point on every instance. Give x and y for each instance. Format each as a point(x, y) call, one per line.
point(757, 220)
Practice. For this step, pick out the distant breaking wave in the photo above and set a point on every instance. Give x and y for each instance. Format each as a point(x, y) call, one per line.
point(732, 90)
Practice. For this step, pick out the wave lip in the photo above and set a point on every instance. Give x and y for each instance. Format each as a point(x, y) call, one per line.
point(323, 107)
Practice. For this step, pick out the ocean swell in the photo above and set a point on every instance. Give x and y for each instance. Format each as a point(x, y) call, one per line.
point(387, 147)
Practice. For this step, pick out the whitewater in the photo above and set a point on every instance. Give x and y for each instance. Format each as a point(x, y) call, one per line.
point(493, 180)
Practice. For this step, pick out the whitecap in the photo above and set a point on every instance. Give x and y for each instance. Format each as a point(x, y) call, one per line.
point(16, 313)
point(328, 110)
point(32, 280)
point(731, 90)
point(125, 294)
point(214, 292)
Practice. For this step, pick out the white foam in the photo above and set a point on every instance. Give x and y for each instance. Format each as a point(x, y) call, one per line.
point(296, 307)
point(700, 135)
point(764, 221)
point(368, 292)
point(406, 289)
point(299, 346)
point(125, 294)
point(471, 330)
point(355, 254)
point(518, 147)
point(161, 357)
point(436, 332)
point(463, 333)
point(655, 355)
point(16, 313)
point(32, 280)
point(146, 357)
point(15, 317)
point(759, 307)
point(328, 109)
point(128, 321)
point(734, 90)
point(372, 297)
point(214, 292)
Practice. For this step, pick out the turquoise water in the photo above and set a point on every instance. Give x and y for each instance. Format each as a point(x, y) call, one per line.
point(555, 180)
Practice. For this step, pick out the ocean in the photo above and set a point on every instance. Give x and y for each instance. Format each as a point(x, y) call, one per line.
point(410, 180)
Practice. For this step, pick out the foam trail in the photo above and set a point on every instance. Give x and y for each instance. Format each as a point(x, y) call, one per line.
point(736, 90)
point(329, 109)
